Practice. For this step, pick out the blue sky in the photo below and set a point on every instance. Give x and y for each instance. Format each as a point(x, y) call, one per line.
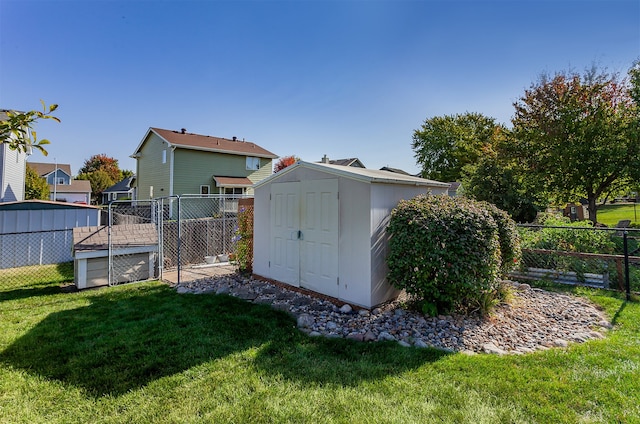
point(308, 78)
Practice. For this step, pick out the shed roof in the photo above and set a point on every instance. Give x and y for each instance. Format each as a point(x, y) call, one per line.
point(122, 186)
point(40, 205)
point(361, 174)
point(128, 235)
point(208, 143)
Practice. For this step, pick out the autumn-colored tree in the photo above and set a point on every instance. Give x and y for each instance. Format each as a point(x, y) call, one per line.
point(99, 180)
point(284, 162)
point(574, 136)
point(17, 129)
point(35, 187)
point(104, 163)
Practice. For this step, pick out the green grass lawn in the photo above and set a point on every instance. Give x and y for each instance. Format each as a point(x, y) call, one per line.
point(612, 214)
point(142, 353)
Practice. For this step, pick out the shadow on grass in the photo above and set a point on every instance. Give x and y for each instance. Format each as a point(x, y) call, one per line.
point(340, 362)
point(33, 281)
point(27, 292)
point(128, 338)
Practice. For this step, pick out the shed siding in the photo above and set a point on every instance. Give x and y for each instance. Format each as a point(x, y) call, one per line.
point(97, 272)
point(385, 197)
point(131, 268)
point(39, 237)
point(150, 171)
point(355, 260)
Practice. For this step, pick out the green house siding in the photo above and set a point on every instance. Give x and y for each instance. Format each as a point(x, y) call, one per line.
point(266, 169)
point(194, 168)
point(151, 172)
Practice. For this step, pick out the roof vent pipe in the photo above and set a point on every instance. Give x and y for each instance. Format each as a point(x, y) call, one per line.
point(325, 159)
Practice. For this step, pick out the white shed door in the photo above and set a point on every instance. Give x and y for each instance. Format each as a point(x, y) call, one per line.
point(285, 227)
point(319, 239)
point(304, 244)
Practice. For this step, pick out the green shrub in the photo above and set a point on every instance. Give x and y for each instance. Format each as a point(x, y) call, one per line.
point(509, 238)
point(243, 241)
point(446, 252)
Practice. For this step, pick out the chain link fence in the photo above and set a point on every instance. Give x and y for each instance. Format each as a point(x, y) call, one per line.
point(596, 257)
point(129, 240)
point(197, 231)
point(36, 241)
point(133, 232)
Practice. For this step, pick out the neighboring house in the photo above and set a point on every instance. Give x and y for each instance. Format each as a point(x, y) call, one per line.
point(123, 190)
point(396, 170)
point(12, 170)
point(62, 187)
point(354, 162)
point(177, 162)
point(455, 189)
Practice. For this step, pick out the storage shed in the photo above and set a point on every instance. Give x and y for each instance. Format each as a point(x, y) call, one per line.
point(39, 232)
point(322, 227)
point(134, 250)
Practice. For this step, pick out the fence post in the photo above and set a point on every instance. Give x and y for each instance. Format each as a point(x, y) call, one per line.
point(626, 264)
point(179, 238)
point(158, 208)
point(109, 247)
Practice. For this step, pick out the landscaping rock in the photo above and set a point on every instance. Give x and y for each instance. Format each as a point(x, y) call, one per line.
point(306, 321)
point(346, 309)
point(535, 320)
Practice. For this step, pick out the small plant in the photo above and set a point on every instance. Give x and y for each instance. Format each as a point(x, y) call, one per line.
point(243, 241)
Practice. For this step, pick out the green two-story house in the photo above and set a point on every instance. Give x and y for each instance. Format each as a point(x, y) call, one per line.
point(178, 162)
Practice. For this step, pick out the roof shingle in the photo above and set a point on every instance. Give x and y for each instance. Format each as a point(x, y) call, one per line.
point(216, 144)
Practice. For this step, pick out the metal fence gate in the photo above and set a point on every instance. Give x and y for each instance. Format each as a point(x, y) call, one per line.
point(187, 231)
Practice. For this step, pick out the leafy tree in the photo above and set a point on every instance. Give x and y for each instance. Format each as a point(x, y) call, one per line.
point(35, 187)
point(284, 162)
point(444, 145)
point(126, 173)
point(102, 162)
point(17, 130)
point(100, 180)
point(496, 179)
point(574, 138)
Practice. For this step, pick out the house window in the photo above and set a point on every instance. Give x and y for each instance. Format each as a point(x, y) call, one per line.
point(60, 181)
point(204, 189)
point(164, 156)
point(253, 163)
point(233, 190)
